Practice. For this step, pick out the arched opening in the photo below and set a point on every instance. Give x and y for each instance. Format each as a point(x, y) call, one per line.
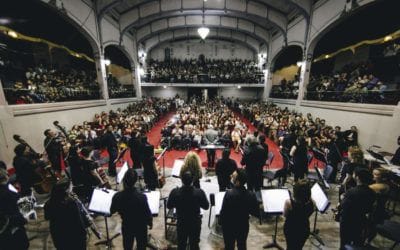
point(357, 60)
point(42, 63)
point(286, 68)
point(120, 78)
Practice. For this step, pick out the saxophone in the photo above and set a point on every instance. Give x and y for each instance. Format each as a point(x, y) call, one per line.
point(88, 221)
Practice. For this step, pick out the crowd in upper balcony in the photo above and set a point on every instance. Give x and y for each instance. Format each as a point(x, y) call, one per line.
point(286, 89)
point(44, 84)
point(203, 71)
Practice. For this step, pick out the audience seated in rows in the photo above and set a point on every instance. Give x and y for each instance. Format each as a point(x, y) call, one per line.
point(203, 71)
point(286, 89)
point(43, 84)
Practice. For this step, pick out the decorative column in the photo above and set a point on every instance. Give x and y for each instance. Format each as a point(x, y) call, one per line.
point(304, 77)
point(101, 75)
point(267, 81)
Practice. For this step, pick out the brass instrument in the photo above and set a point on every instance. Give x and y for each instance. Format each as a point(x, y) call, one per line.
point(88, 220)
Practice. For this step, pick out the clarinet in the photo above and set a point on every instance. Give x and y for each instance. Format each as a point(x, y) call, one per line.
point(88, 220)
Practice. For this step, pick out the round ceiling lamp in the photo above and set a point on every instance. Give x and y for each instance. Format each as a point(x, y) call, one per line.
point(203, 32)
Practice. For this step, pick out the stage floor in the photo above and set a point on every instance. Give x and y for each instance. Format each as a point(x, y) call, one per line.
point(258, 235)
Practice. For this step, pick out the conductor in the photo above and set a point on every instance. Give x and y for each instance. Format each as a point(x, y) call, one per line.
point(237, 205)
point(134, 211)
point(210, 137)
point(188, 200)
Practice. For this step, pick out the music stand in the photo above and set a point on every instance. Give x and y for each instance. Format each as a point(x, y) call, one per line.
point(273, 202)
point(322, 204)
point(216, 201)
point(176, 169)
point(101, 204)
point(121, 173)
point(153, 199)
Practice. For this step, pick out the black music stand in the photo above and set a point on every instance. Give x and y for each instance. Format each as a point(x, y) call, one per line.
point(322, 204)
point(101, 204)
point(273, 202)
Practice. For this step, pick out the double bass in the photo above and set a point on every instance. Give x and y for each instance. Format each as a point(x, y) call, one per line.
point(47, 177)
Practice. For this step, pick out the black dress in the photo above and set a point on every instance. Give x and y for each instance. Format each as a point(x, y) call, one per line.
point(297, 224)
point(300, 162)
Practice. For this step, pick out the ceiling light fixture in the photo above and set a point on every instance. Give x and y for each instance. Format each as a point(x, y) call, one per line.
point(203, 32)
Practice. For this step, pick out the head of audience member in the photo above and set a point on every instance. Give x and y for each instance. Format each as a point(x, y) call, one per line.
point(3, 176)
point(226, 153)
point(362, 176)
point(356, 155)
point(302, 191)
point(110, 128)
point(129, 179)
point(239, 178)
point(187, 178)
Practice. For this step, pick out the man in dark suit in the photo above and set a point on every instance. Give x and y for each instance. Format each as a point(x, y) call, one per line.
point(237, 205)
point(210, 138)
point(134, 211)
point(148, 160)
point(254, 158)
point(355, 206)
point(110, 143)
point(188, 200)
point(224, 168)
point(134, 146)
point(53, 149)
point(396, 157)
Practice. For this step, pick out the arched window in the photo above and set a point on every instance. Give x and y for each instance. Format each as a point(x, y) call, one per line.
point(120, 79)
point(42, 63)
point(286, 73)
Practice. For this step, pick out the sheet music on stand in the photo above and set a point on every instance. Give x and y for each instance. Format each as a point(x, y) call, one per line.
point(219, 198)
point(274, 200)
point(320, 198)
point(212, 146)
point(101, 201)
point(153, 199)
point(122, 172)
point(176, 169)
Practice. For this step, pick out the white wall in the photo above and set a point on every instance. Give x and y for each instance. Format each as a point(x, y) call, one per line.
point(169, 92)
point(31, 127)
point(211, 49)
point(373, 129)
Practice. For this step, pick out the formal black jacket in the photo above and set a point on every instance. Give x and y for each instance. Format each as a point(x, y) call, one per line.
point(396, 157)
point(133, 208)
point(25, 170)
point(237, 205)
point(54, 150)
point(224, 168)
point(357, 202)
point(254, 158)
point(109, 141)
point(134, 145)
point(187, 200)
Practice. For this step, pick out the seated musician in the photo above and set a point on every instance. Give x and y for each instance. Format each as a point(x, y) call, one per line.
point(25, 166)
point(356, 158)
point(12, 233)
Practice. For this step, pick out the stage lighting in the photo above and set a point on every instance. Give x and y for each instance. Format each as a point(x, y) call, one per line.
point(203, 32)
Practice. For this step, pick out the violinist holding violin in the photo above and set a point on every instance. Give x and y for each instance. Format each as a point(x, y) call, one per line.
point(54, 150)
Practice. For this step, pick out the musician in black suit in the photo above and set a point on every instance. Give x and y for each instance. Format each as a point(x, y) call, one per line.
point(25, 169)
point(53, 148)
point(12, 232)
point(135, 213)
point(134, 145)
point(188, 200)
point(356, 205)
point(90, 177)
point(224, 169)
point(351, 136)
point(396, 157)
point(254, 158)
point(148, 160)
point(110, 143)
point(67, 227)
point(237, 205)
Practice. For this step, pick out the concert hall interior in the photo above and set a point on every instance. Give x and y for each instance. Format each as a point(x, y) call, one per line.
point(199, 124)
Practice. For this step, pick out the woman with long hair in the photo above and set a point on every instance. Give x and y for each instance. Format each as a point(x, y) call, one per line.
point(192, 163)
point(297, 211)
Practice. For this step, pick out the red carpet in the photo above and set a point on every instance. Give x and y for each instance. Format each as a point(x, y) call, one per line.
point(154, 137)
